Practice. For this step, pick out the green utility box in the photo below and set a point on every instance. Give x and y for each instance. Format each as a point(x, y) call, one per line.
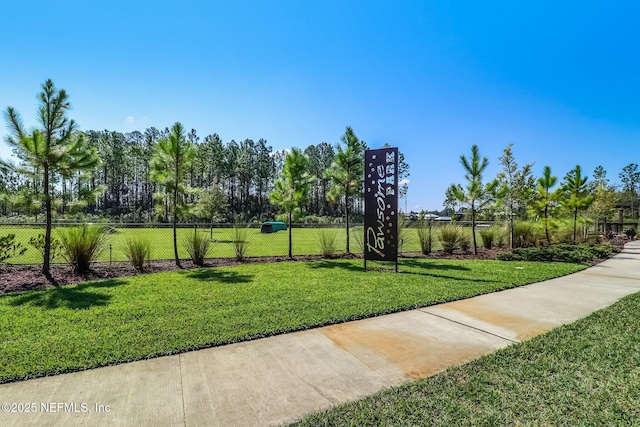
point(272, 227)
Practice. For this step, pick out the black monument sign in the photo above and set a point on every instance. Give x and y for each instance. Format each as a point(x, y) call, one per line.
point(381, 205)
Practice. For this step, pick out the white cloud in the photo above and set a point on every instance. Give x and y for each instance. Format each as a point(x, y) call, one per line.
point(403, 182)
point(130, 119)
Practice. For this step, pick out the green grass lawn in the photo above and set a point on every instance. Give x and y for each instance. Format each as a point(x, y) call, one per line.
point(583, 374)
point(305, 242)
point(105, 322)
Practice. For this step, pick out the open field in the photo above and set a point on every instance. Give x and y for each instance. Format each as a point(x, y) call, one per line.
point(305, 242)
point(583, 374)
point(105, 322)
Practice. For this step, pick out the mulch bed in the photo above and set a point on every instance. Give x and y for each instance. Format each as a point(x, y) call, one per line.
point(15, 278)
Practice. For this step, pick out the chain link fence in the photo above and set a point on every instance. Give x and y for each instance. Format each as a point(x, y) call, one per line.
point(307, 239)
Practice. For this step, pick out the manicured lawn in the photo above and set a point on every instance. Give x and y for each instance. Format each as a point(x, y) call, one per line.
point(305, 242)
point(105, 322)
point(583, 374)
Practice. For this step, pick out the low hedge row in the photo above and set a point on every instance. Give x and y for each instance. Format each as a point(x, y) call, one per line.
point(559, 253)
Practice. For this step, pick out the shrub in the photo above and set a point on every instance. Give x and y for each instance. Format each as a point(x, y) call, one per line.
point(465, 240)
point(559, 253)
point(327, 241)
point(524, 234)
point(488, 235)
point(38, 244)
point(197, 246)
point(425, 236)
point(451, 236)
point(239, 238)
point(138, 252)
point(82, 245)
point(501, 236)
point(9, 248)
point(630, 232)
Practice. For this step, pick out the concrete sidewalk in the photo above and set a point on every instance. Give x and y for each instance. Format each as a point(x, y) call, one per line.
point(277, 380)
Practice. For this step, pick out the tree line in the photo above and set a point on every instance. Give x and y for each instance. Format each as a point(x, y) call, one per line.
point(238, 177)
point(170, 175)
point(515, 194)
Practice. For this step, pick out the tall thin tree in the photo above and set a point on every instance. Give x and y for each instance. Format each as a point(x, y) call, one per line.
point(291, 190)
point(476, 194)
point(347, 173)
point(545, 200)
point(576, 195)
point(170, 162)
point(516, 187)
point(53, 150)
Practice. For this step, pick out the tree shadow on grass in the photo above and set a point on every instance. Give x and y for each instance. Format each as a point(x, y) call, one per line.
point(75, 297)
point(336, 264)
point(430, 265)
point(222, 276)
point(447, 277)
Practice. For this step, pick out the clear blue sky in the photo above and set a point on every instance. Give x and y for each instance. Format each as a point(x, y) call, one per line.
point(560, 80)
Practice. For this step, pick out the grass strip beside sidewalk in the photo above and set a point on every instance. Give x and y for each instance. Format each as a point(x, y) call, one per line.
point(585, 373)
point(113, 321)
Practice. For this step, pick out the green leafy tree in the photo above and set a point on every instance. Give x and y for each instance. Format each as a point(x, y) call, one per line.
point(515, 188)
point(54, 150)
point(576, 195)
point(605, 197)
point(545, 201)
point(630, 177)
point(347, 174)
point(170, 161)
point(212, 202)
point(475, 194)
point(605, 200)
point(291, 189)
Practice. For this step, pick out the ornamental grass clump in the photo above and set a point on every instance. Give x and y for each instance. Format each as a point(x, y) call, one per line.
point(197, 246)
point(451, 237)
point(327, 242)
point(80, 246)
point(488, 235)
point(425, 236)
point(138, 252)
point(239, 238)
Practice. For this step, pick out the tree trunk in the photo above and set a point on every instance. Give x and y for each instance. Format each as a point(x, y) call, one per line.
point(175, 216)
point(511, 234)
point(575, 223)
point(46, 263)
point(290, 241)
point(346, 208)
point(473, 229)
point(546, 226)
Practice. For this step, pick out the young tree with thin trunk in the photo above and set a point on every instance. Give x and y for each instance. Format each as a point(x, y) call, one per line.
point(170, 162)
point(576, 195)
point(212, 202)
point(516, 187)
point(545, 200)
point(630, 177)
point(54, 150)
point(347, 173)
point(476, 194)
point(291, 190)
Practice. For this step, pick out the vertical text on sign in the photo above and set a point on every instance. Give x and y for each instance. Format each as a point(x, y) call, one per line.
point(381, 204)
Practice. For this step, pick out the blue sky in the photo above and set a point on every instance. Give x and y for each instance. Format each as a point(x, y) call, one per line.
point(559, 80)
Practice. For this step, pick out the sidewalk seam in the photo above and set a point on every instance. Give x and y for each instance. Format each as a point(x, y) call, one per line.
point(184, 409)
point(469, 326)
